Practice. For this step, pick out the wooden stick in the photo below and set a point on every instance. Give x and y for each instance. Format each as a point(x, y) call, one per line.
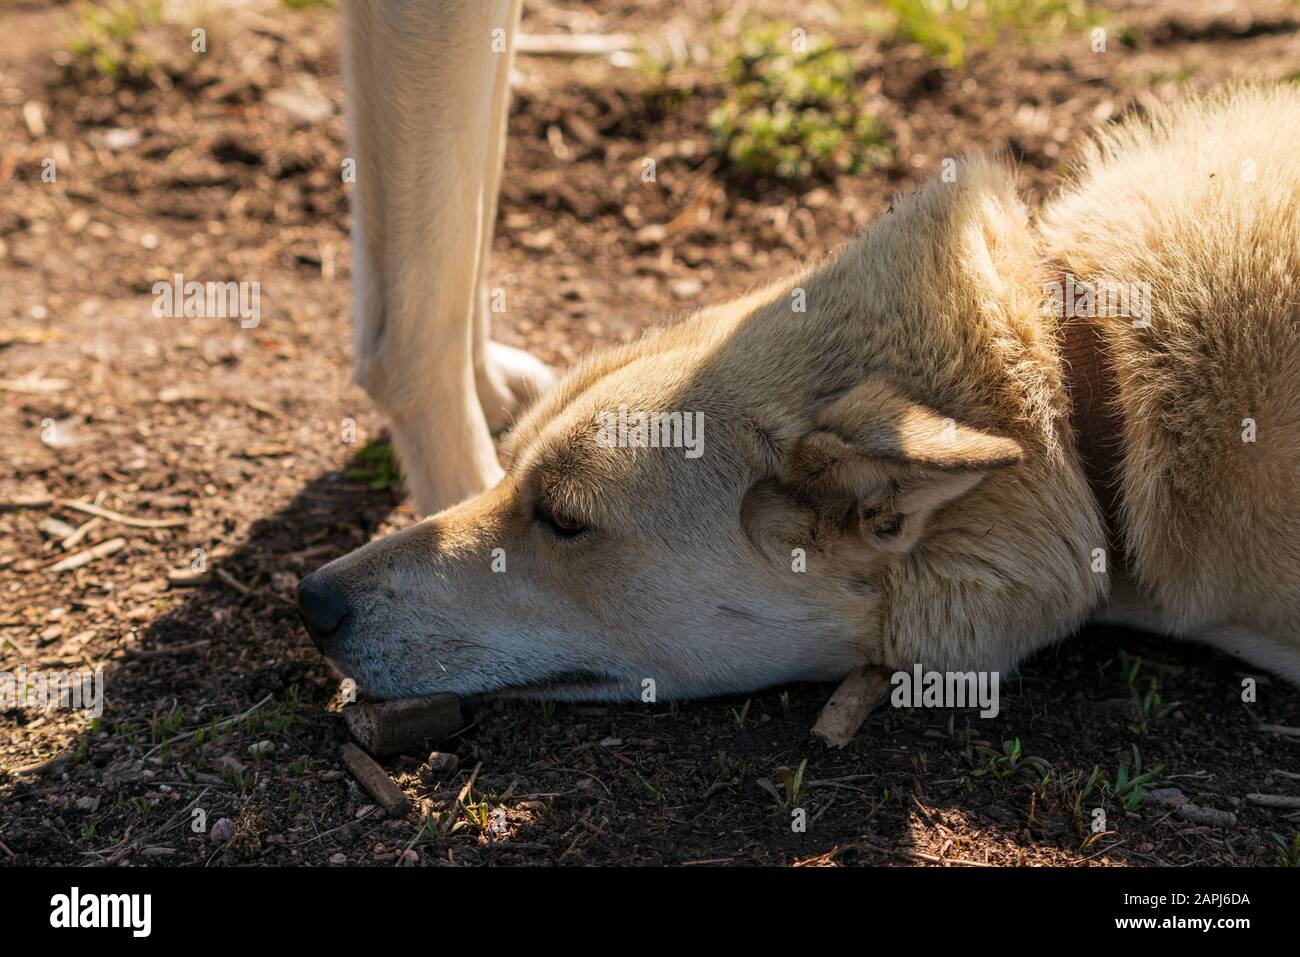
point(909, 854)
point(1273, 800)
point(118, 517)
point(849, 706)
point(54, 528)
point(1208, 816)
point(403, 727)
point(168, 650)
point(33, 386)
point(187, 578)
point(76, 538)
point(25, 501)
point(376, 782)
point(233, 582)
point(1278, 729)
point(58, 762)
point(571, 44)
point(101, 550)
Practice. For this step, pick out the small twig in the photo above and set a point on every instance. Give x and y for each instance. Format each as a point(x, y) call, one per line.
point(1207, 816)
point(376, 781)
point(232, 581)
point(102, 550)
point(264, 25)
point(187, 578)
point(25, 501)
point(40, 767)
point(827, 781)
point(321, 834)
point(586, 774)
point(571, 44)
point(912, 855)
point(118, 517)
point(1108, 847)
point(1279, 729)
point(55, 528)
point(1273, 800)
point(175, 818)
point(849, 706)
point(222, 721)
point(31, 385)
point(169, 650)
point(76, 538)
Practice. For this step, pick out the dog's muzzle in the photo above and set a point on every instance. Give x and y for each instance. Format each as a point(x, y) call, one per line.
point(323, 607)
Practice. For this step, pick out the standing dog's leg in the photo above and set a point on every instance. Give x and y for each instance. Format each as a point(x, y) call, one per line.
point(506, 377)
point(425, 110)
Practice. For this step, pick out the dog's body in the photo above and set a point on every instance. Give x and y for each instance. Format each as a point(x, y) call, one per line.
point(889, 473)
point(1207, 210)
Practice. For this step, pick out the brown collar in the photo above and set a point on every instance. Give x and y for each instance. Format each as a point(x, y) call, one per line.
point(1093, 388)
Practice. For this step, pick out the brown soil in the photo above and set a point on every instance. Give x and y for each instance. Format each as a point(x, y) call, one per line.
point(237, 434)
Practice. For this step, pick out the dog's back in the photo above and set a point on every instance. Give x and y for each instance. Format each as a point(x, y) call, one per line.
point(1202, 204)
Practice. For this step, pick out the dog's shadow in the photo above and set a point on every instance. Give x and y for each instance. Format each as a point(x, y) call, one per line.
point(230, 660)
point(723, 780)
point(1049, 780)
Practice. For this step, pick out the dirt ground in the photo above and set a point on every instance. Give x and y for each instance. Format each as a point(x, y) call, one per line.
point(232, 440)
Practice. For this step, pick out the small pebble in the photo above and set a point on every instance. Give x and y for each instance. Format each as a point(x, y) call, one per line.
point(650, 236)
point(229, 763)
point(685, 288)
point(222, 832)
point(442, 761)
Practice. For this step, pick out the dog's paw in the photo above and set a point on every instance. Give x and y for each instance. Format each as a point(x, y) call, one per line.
point(508, 380)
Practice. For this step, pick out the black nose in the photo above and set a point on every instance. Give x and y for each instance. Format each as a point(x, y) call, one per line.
point(322, 606)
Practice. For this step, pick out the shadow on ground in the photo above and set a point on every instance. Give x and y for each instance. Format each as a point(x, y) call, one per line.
point(189, 707)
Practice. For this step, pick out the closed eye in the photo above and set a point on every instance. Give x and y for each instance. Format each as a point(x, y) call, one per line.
point(559, 523)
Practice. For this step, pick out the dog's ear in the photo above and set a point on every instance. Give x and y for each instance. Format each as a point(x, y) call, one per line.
point(887, 463)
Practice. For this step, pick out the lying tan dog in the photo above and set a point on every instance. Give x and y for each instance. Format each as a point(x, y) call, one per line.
point(886, 460)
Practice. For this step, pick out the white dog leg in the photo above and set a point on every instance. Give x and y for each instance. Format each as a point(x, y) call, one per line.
point(506, 378)
point(422, 80)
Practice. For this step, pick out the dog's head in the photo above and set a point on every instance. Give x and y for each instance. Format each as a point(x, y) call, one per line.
point(749, 498)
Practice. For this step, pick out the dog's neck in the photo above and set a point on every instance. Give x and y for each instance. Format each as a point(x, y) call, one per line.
point(1088, 371)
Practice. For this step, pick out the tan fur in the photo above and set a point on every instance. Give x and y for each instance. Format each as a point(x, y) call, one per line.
point(1202, 203)
point(908, 436)
point(428, 95)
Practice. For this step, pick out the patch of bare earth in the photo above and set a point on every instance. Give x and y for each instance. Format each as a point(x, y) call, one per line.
point(231, 440)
